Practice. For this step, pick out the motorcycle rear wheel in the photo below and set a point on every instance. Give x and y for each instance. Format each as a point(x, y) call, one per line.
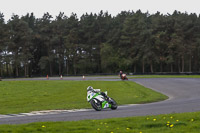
point(96, 104)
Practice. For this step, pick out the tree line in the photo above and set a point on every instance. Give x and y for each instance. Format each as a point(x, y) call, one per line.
point(131, 41)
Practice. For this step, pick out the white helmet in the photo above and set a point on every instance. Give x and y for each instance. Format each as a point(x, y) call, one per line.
point(89, 88)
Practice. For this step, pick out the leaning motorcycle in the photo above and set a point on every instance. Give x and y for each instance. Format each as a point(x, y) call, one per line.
point(99, 102)
point(124, 77)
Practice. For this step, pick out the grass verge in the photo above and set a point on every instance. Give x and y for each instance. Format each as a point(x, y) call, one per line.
point(171, 123)
point(27, 96)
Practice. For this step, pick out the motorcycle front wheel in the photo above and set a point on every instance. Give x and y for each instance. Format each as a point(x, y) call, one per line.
point(96, 104)
point(113, 104)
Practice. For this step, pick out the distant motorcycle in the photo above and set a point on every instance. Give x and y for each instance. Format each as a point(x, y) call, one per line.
point(99, 102)
point(124, 77)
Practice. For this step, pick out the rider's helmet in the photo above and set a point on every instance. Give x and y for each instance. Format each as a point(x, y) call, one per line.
point(90, 88)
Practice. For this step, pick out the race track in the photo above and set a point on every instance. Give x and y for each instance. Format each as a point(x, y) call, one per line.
point(183, 96)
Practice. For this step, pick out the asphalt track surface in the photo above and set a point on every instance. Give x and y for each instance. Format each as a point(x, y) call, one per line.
point(183, 96)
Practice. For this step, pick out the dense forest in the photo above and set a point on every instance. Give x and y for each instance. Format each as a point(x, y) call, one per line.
point(131, 41)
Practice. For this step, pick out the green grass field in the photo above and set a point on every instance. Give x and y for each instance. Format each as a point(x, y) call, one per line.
point(171, 123)
point(27, 96)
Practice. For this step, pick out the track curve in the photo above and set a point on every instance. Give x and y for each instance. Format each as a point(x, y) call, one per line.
point(183, 97)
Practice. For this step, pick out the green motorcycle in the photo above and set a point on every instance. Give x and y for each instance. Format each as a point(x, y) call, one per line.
point(100, 100)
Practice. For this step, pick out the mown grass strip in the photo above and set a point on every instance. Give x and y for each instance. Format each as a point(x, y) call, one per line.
point(171, 123)
point(27, 96)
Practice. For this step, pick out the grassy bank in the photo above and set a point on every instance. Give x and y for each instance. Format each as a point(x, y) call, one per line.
point(172, 123)
point(27, 96)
